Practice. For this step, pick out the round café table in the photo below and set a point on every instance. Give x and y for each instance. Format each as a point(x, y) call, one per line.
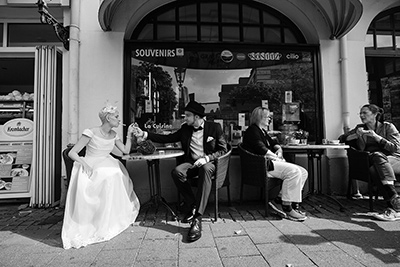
point(153, 166)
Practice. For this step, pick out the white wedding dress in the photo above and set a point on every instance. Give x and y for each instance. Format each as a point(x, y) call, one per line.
point(103, 205)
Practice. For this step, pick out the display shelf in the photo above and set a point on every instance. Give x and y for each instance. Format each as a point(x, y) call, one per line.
point(11, 109)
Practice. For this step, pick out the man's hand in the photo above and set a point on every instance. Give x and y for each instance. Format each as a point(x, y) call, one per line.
point(279, 153)
point(200, 162)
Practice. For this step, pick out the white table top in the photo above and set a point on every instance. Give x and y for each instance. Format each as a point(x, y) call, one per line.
point(307, 146)
point(158, 154)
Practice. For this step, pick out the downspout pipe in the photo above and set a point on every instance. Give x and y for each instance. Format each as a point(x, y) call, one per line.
point(74, 45)
point(344, 84)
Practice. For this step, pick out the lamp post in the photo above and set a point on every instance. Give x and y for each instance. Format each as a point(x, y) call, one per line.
point(46, 18)
point(180, 74)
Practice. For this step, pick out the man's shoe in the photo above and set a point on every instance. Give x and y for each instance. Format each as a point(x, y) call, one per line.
point(295, 216)
point(395, 202)
point(389, 215)
point(189, 216)
point(273, 205)
point(195, 230)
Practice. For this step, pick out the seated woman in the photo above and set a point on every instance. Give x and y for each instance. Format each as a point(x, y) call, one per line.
point(382, 140)
point(100, 201)
point(256, 140)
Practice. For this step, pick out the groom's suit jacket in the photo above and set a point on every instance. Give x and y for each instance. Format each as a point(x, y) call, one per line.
point(214, 143)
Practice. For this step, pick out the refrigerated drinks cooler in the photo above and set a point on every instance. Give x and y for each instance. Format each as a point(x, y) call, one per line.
point(16, 145)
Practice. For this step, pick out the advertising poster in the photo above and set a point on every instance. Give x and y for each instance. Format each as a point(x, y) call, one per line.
point(16, 150)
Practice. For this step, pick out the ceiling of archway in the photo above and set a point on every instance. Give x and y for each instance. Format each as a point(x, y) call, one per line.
point(340, 15)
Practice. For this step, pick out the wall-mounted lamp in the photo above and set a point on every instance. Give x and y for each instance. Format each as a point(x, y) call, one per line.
point(46, 18)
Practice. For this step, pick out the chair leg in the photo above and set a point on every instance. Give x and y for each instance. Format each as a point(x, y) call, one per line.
point(371, 195)
point(229, 195)
point(241, 194)
point(349, 187)
point(216, 204)
point(266, 197)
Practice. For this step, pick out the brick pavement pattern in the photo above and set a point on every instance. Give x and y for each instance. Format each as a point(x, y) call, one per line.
point(241, 237)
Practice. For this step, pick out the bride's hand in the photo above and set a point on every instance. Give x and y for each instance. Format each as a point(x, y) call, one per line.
point(88, 170)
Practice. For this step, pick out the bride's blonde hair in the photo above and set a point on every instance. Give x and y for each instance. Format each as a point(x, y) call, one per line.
point(108, 109)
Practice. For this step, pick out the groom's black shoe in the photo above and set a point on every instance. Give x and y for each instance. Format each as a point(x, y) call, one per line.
point(189, 216)
point(195, 230)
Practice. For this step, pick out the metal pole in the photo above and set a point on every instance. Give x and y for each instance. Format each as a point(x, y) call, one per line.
point(344, 84)
point(74, 73)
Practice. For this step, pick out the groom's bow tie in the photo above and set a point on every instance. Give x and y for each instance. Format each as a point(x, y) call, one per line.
point(197, 129)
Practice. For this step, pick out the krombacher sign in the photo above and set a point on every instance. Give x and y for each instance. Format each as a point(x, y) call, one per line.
point(18, 127)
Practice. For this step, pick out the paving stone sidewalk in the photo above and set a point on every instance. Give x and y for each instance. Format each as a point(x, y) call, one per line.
point(241, 237)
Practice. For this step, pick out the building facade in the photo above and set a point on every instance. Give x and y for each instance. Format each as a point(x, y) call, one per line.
point(333, 56)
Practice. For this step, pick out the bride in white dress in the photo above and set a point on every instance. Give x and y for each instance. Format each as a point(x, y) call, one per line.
point(100, 201)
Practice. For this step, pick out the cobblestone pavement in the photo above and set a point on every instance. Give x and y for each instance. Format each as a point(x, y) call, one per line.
point(242, 236)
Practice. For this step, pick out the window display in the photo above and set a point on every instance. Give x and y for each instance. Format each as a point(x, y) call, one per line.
point(16, 126)
point(229, 88)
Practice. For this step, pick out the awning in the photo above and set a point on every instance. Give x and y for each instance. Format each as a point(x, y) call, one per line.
point(340, 15)
point(106, 13)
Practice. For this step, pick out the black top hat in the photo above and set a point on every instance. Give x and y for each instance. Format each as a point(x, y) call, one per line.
point(195, 108)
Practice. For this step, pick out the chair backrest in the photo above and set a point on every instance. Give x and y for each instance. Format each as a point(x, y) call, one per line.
point(254, 168)
point(359, 168)
point(69, 163)
point(222, 168)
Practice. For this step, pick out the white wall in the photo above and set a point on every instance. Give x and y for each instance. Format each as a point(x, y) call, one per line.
point(101, 68)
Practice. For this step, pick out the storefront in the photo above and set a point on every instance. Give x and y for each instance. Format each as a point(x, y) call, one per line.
point(30, 108)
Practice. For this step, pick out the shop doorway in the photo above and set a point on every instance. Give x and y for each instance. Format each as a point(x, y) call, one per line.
point(29, 169)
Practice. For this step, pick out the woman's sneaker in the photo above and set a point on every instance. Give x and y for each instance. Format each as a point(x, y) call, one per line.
point(395, 202)
point(296, 207)
point(389, 215)
point(274, 206)
point(295, 216)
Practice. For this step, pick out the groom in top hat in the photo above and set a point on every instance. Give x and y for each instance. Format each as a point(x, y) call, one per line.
point(202, 141)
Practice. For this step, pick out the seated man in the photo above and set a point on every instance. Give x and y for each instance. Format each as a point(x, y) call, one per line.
point(202, 141)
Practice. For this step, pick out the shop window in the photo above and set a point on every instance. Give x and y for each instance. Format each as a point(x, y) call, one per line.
point(231, 12)
point(188, 13)
point(252, 34)
point(230, 33)
point(272, 36)
point(188, 33)
point(383, 31)
point(209, 12)
point(209, 33)
point(233, 21)
point(251, 15)
point(166, 32)
point(23, 34)
point(382, 48)
point(158, 99)
point(210, 40)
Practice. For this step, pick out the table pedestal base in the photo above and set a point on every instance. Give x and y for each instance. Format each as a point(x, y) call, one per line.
point(155, 187)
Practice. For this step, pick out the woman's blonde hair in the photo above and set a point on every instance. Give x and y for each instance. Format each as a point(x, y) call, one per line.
point(108, 109)
point(257, 115)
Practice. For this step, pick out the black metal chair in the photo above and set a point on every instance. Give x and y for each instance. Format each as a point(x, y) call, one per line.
point(220, 179)
point(360, 169)
point(69, 163)
point(254, 170)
